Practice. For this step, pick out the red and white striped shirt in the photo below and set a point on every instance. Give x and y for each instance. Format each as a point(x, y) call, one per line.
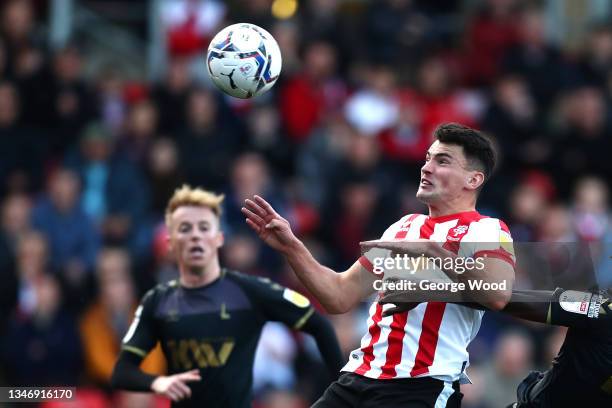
point(431, 339)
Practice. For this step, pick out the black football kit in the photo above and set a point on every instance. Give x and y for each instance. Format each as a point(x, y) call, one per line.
point(215, 328)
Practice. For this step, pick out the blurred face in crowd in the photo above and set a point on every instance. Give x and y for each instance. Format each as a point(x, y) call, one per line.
point(143, 120)
point(31, 255)
point(446, 176)
point(8, 104)
point(202, 109)
point(433, 78)
point(320, 60)
point(16, 214)
point(249, 176)
point(67, 65)
point(64, 190)
point(163, 157)
point(116, 289)
point(513, 355)
point(591, 196)
point(17, 19)
point(195, 238)
point(532, 27)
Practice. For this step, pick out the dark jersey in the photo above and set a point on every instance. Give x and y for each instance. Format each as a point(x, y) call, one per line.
point(581, 374)
point(215, 328)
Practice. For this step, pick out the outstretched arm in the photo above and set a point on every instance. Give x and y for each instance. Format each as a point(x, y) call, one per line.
point(559, 307)
point(337, 292)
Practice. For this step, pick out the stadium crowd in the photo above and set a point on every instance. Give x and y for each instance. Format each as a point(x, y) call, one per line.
point(87, 165)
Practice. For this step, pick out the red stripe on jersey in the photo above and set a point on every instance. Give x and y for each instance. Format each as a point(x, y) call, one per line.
point(495, 253)
point(395, 341)
point(504, 227)
point(401, 234)
point(395, 346)
point(368, 352)
point(365, 262)
point(429, 338)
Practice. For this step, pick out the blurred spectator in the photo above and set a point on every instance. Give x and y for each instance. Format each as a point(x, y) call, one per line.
point(105, 321)
point(489, 34)
point(112, 107)
point(72, 236)
point(208, 143)
point(250, 176)
point(190, 24)
point(527, 205)
point(583, 129)
point(394, 31)
point(307, 98)
point(164, 173)
point(17, 26)
point(70, 98)
point(22, 149)
point(42, 349)
point(14, 224)
point(513, 118)
point(510, 364)
point(536, 59)
point(32, 262)
point(115, 193)
point(596, 62)
point(374, 108)
point(592, 223)
point(171, 95)
point(140, 129)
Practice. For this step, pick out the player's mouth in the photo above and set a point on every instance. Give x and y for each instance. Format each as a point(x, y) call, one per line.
point(425, 183)
point(196, 251)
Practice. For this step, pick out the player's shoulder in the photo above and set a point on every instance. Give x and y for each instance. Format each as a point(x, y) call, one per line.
point(161, 289)
point(251, 281)
point(481, 221)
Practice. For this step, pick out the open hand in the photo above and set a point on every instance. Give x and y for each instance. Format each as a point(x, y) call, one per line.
point(174, 386)
point(273, 229)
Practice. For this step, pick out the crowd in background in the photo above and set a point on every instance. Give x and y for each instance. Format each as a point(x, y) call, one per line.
point(88, 163)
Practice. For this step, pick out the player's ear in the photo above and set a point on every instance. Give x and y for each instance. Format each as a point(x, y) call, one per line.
point(475, 180)
point(220, 239)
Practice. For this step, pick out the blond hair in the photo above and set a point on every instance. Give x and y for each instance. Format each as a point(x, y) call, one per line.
point(197, 197)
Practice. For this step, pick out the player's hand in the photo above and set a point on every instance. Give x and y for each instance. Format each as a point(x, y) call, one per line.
point(175, 386)
point(415, 247)
point(273, 229)
point(402, 301)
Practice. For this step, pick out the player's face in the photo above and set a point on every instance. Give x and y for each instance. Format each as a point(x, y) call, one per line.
point(444, 176)
point(195, 237)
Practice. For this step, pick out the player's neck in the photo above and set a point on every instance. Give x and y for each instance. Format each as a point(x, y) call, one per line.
point(440, 210)
point(193, 279)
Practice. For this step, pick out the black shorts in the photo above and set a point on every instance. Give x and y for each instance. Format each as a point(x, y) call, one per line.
point(353, 390)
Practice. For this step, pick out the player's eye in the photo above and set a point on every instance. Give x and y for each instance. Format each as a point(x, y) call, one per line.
point(184, 228)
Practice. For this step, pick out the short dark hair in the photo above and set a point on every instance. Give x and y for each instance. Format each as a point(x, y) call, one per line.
point(477, 147)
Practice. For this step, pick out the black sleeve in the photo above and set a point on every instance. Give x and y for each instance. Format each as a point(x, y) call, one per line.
point(278, 303)
point(127, 374)
point(583, 310)
point(141, 337)
point(281, 304)
point(323, 332)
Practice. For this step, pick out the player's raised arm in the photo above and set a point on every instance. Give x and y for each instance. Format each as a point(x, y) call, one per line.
point(337, 292)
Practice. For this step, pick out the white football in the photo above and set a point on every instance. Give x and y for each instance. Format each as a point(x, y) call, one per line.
point(244, 60)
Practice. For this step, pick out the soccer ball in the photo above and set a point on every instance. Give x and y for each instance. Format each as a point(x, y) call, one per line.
point(243, 60)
